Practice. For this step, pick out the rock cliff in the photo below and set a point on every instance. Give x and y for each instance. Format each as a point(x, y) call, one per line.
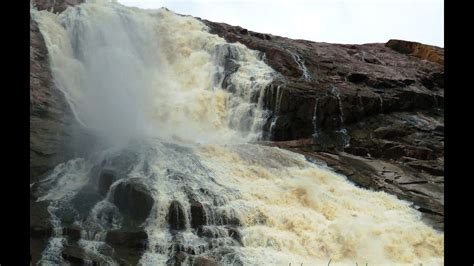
point(373, 112)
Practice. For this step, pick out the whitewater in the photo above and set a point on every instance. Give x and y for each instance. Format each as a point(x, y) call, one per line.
point(186, 107)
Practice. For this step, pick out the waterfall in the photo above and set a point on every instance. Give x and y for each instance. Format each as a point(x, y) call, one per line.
point(130, 73)
point(179, 108)
point(300, 62)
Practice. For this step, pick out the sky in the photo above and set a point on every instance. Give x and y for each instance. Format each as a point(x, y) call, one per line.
point(332, 21)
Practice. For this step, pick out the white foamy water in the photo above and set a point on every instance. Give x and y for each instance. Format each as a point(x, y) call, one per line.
point(128, 72)
point(195, 101)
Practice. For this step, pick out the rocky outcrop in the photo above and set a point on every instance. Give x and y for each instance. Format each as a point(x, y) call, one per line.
point(176, 216)
point(106, 178)
point(55, 6)
point(423, 51)
point(54, 133)
point(134, 200)
point(52, 129)
point(361, 109)
point(204, 261)
point(342, 83)
point(128, 245)
point(401, 153)
point(50, 117)
point(40, 225)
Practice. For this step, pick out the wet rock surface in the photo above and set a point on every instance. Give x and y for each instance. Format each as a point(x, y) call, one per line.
point(55, 6)
point(133, 199)
point(55, 136)
point(373, 112)
point(50, 117)
point(382, 156)
point(176, 216)
point(107, 177)
point(40, 225)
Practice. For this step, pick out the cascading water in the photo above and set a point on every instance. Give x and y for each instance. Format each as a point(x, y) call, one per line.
point(177, 108)
point(300, 62)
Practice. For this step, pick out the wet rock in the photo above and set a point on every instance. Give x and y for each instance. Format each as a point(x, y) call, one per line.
point(235, 234)
point(73, 232)
point(107, 177)
point(84, 201)
point(177, 259)
point(434, 168)
point(128, 245)
point(229, 218)
point(421, 153)
point(74, 254)
point(40, 225)
point(204, 261)
point(371, 79)
point(125, 238)
point(438, 79)
point(55, 6)
point(198, 214)
point(134, 200)
point(389, 132)
point(409, 184)
point(357, 77)
point(212, 231)
point(439, 130)
point(37, 246)
point(176, 216)
point(78, 256)
point(50, 116)
point(123, 162)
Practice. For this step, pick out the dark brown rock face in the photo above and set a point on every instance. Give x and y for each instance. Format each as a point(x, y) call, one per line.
point(204, 261)
point(131, 239)
point(423, 51)
point(176, 216)
point(56, 6)
point(134, 200)
point(106, 178)
point(54, 132)
point(50, 118)
point(198, 214)
point(40, 225)
point(51, 130)
point(362, 109)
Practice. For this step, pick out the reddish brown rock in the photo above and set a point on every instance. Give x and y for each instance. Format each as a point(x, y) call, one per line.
point(423, 51)
point(55, 6)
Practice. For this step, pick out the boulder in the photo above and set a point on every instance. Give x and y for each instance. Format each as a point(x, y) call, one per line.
point(204, 261)
point(126, 238)
point(423, 51)
point(134, 200)
point(198, 214)
point(40, 225)
point(106, 178)
point(74, 255)
point(176, 216)
point(56, 6)
point(128, 245)
point(73, 232)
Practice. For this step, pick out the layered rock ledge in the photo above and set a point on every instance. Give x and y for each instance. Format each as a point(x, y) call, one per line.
point(373, 112)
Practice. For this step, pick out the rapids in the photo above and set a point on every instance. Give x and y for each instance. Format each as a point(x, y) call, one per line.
point(180, 109)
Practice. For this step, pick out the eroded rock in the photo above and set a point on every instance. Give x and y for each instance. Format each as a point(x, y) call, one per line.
point(134, 200)
point(176, 216)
